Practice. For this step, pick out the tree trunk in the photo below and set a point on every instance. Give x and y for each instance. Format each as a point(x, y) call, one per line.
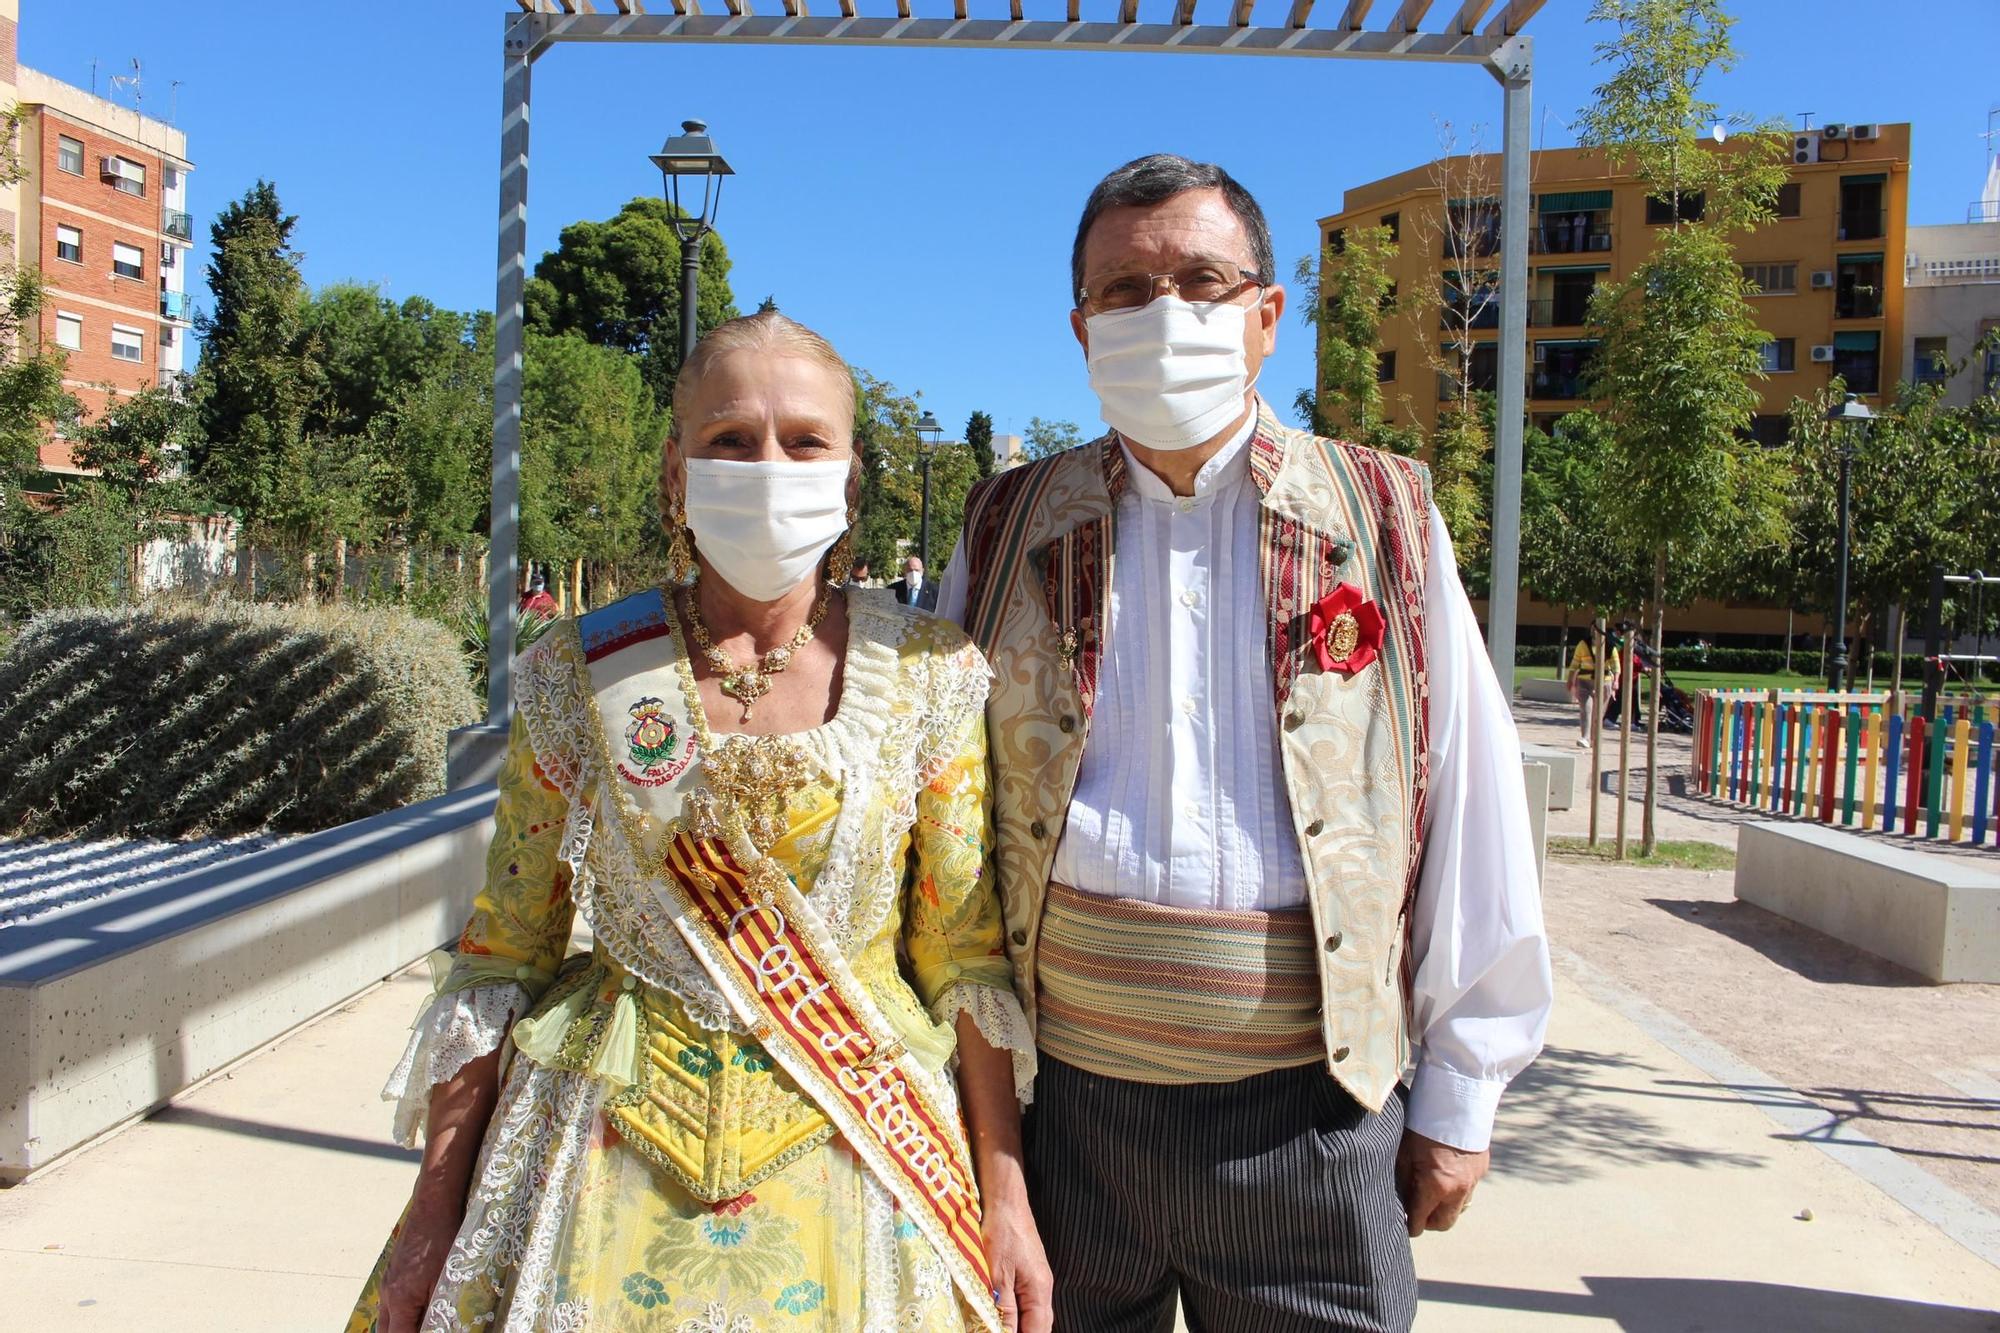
point(576, 599)
point(1597, 645)
point(309, 592)
point(1896, 658)
point(1788, 640)
point(1562, 645)
point(1649, 837)
point(339, 568)
point(1628, 677)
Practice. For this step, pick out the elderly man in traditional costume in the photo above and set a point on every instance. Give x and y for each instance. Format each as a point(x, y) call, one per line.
point(767, 794)
point(1262, 837)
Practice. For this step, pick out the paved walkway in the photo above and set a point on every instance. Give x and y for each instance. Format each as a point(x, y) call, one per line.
point(1632, 1191)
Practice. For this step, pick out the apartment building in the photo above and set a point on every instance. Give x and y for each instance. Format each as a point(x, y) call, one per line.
point(101, 212)
point(1951, 298)
point(1822, 269)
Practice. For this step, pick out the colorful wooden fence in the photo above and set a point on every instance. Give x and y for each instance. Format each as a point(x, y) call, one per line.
point(1844, 760)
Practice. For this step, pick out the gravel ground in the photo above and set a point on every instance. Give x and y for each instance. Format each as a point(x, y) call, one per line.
point(38, 877)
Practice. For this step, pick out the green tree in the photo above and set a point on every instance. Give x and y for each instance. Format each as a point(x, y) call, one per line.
point(257, 378)
point(979, 439)
point(1461, 480)
point(617, 283)
point(1044, 439)
point(1345, 294)
point(33, 404)
point(371, 351)
point(439, 435)
point(1679, 342)
point(1573, 551)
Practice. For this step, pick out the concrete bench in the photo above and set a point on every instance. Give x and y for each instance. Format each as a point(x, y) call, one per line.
point(1544, 690)
point(1561, 762)
point(110, 1007)
point(1936, 915)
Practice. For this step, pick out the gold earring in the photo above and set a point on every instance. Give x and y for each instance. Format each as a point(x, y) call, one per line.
point(680, 559)
point(840, 560)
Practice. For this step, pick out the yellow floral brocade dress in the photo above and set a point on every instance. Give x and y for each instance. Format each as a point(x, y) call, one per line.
point(649, 1166)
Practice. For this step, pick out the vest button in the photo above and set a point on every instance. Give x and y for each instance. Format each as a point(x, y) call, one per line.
point(1294, 719)
point(1066, 724)
point(1340, 1054)
point(1038, 829)
point(1333, 942)
point(1314, 829)
point(1019, 937)
point(1340, 552)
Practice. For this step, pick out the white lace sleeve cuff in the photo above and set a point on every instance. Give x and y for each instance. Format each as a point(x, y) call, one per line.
point(997, 1015)
point(453, 1031)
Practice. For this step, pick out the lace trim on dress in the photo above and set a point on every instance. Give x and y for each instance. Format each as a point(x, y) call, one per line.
point(998, 1016)
point(453, 1032)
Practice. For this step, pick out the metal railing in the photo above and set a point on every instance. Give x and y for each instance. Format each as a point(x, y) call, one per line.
point(1558, 312)
point(1863, 224)
point(1552, 236)
point(177, 224)
point(1452, 318)
point(176, 305)
point(1858, 302)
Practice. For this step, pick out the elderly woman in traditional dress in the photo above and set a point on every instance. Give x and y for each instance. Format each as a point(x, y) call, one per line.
point(766, 794)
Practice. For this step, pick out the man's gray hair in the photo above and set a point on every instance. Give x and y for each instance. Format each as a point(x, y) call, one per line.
point(1146, 181)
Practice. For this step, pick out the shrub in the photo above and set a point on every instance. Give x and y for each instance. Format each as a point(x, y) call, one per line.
point(219, 720)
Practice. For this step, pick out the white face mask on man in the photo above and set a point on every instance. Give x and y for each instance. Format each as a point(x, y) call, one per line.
point(1169, 374)
point(764, 527)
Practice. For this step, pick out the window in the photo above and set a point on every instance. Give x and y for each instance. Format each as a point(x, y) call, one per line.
point(127, 344)
point(1472, 227)
point(69, 244)
point(1389, 299)
point(1660, 211)
point(127, 176)
point(1861, 216)
point(1788, 199)
point(127, 261)
point(166, 255)
point(1857, 291)
point(1385, 366)
point(166, 335)
point(1932, 363)
point(1857, 359)
point(69, 331)
point(1562, 369)
point(170, 177)
point(1484, 367)
point(1776, 356)
point(1771, 431)
point(69, 154)
point(1336, 240)
point(1394, 222)
point(1772, 279)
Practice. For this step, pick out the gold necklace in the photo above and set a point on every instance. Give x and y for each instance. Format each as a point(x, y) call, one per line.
point(748, 684)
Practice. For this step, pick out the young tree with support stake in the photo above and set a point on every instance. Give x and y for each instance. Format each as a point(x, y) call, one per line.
point(1679, 341)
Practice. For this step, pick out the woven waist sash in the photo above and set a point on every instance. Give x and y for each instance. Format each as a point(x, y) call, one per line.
point(1167, 995)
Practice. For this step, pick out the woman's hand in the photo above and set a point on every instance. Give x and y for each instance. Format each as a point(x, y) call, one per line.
point(1020, 1267)
point(421, 1246)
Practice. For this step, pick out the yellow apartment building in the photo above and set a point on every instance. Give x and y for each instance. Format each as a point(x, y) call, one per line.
point(1829, 269)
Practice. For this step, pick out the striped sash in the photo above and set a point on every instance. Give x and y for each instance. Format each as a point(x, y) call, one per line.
point(1166, 995)
point(786, 979)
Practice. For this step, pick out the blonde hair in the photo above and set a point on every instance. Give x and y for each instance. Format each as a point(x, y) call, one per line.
point(767, 330)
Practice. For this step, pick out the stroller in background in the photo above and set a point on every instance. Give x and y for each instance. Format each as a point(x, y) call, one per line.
point(1676, 709)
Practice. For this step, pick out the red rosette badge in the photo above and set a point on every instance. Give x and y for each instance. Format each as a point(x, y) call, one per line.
point(1346, 630)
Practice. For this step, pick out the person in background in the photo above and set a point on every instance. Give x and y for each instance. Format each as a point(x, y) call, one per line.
point(1583, 676)
point(912, 589)
point(538, 600)
point(859, 575)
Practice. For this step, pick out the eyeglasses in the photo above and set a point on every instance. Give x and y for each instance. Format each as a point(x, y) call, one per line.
point(1200, 282)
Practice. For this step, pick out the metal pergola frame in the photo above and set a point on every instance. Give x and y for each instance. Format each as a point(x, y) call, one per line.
point(1500, 46)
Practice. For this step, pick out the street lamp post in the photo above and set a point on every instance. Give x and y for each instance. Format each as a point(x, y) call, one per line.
point(1850, 422)
point(928, 433)
point(691, 155)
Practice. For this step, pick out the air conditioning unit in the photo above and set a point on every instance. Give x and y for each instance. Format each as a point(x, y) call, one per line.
point(1805, 149)
point(1822, 352)
point(1598, 240)
point(1864, 132)
point(1833, 130)
point(1822, 279)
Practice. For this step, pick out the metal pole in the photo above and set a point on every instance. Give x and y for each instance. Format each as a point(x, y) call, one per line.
point(1933, 645)
point(690, 277)
point(522, 43)
point(924, 541)
point(1513, 68)
point(1836, 676)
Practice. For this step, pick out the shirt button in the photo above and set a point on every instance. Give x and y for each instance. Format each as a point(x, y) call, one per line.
point(1333, 942)
point(1341, 1054)
point(1314, 829)
point(1190, 598)
point(1187, 505)
point(1038, 829)
point(1191, 810)
point(1188, 706)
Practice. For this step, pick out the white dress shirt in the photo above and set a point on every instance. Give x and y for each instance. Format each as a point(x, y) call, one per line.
point(1200, 818)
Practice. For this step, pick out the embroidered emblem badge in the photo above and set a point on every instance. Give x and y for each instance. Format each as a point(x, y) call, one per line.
point(653, 745)
point(1345, 630)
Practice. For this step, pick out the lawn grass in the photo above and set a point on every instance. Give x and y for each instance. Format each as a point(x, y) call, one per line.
point(1666, 855)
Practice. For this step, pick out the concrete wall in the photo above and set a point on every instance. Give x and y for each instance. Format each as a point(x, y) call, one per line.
point(1936, 915)
point(111, 1007)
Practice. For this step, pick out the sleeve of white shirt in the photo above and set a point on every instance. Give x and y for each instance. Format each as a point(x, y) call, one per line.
point(951, 588)
point(1481, 983)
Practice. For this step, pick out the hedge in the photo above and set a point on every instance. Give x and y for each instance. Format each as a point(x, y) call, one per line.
point(221, 720)
point(1750, 661)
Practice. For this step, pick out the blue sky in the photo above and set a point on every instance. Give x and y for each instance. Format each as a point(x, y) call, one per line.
point(914, 206)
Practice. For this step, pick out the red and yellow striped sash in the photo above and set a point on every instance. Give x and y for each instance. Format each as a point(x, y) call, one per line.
point(814, 1020)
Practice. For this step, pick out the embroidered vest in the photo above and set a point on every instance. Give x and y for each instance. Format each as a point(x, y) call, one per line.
point(1039, 549)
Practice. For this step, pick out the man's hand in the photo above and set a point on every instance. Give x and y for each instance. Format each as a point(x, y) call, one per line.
point(1436, 1181)
point(1020, 1268)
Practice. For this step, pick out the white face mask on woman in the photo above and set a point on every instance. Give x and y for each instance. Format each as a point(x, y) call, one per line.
point(1169, 374)
point(764, 527)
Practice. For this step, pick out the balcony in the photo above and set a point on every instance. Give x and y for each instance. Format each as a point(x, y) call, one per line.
point(177, 224)
point(176, 306)
point(1862, 224)
point(1559, 312)
point(1564, 236)
point(1486, 315)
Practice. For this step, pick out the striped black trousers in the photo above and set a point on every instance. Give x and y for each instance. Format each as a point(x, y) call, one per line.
point(1267, 1205)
